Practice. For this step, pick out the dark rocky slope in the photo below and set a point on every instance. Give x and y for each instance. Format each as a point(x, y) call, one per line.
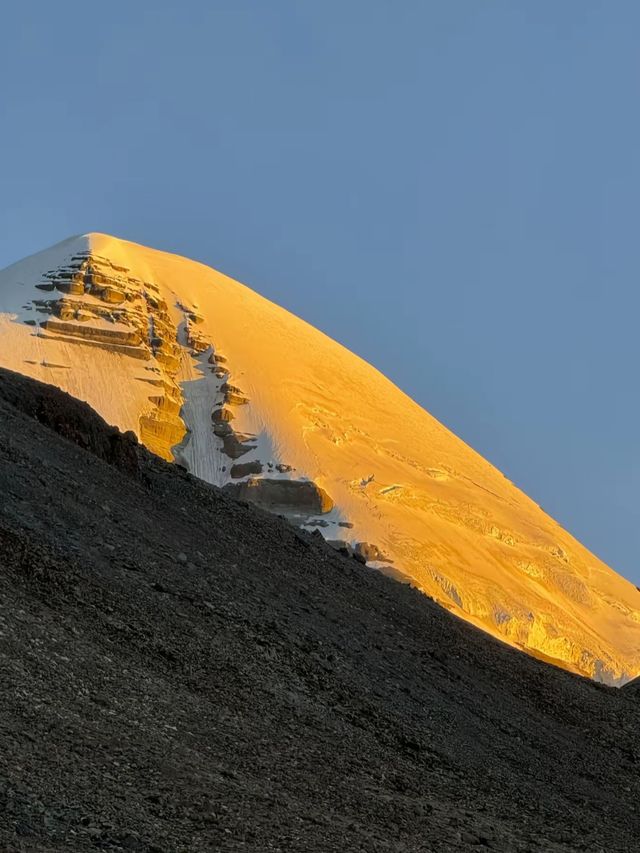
point(182, 672)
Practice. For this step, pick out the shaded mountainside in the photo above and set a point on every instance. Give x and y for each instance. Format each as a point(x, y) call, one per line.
point(184, 672)
point(251, 398)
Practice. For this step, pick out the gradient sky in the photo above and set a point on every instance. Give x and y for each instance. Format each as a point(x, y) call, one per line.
point(449, 188)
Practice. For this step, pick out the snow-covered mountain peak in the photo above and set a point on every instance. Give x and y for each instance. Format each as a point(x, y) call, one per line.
point(249, 397)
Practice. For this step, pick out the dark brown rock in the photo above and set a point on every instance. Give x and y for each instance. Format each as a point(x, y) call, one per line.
point(243, 469)
point(286, 496)
point(233, 445)
point(222, 415)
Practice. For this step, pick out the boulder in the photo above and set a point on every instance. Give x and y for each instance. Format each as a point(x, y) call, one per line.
point(289, 497)
point(369, 552)
point(234, 446)
point(222, 415)
point(243, 469)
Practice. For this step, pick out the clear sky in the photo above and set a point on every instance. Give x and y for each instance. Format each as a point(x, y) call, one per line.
point(449, 188)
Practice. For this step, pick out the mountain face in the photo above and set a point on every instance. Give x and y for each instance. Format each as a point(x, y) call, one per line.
point(248, 397)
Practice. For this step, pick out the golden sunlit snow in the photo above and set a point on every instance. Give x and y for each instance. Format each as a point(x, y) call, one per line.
point(435, 510)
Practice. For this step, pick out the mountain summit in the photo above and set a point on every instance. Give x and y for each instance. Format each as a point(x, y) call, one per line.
point(248, 397)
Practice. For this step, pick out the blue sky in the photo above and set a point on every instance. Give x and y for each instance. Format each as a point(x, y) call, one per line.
point(449, 188)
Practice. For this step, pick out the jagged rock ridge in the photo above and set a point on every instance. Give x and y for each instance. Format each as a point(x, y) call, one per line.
point(249, 397)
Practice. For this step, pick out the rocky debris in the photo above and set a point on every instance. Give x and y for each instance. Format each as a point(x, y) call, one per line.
point(290, 497)
point(269, 696)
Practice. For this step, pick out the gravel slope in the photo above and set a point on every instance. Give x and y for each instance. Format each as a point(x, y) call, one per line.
point(181, 672)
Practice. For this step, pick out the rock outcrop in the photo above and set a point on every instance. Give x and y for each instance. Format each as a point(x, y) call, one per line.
point(100, 303)
point(295, 498)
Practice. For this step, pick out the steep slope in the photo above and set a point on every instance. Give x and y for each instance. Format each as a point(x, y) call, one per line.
point(181, 672)
point(251, 398)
